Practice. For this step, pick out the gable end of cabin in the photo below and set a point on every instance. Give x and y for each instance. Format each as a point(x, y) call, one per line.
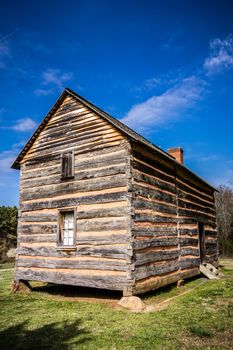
point(75, 202)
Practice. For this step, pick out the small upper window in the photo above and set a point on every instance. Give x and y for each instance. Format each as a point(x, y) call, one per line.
point(67, 165)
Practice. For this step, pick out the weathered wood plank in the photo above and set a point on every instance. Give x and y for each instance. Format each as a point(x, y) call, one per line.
point(153, 256)
point(107, 282)
point(143, 272)
point(155, 242)
point(72, 187)
point(71, 202)
point(72, 263)
point(110, 252)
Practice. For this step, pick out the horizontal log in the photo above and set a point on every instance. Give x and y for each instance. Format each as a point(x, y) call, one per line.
point(79, 145)
point(72, 263)
point(43, 177)
point(106, 282)
point(147, 168)
point(189, 262)
point(120, 252)
point(38, 229)
point(155, 194)
point(59, 128)
point(67, 136)
point(189, 251)
point(138, 217)
point(143, 203)
point(189, 205)
point(189, 179)
point(152, 180)
point(195, 198)
point(103, 239)
point(155, 163)
point(155, 282)
point(209, 250)
point(148, 257)
point(41, 162)
point(188, 241)
point(103, 212)
point(211, 233)
point(189, 190)
point(39, 218)
point(72, 187)
point(94, 156)
point(73, 132)
point(189, 232)
point(71, 202)
point(143, 272)
point(48, 171)
point(32, 238)
point(155, 242)
point(196, 215)
point(104, 224)
point(189, 272)
point(154, 231)
point(213, 259)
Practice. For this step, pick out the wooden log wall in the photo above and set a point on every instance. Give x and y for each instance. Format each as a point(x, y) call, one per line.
point(167, 203)
point(99, 192)
point(195, 203)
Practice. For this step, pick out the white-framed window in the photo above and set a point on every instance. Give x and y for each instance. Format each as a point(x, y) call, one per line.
point(67, 227)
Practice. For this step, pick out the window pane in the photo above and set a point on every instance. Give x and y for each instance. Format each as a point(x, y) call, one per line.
point(68, 232)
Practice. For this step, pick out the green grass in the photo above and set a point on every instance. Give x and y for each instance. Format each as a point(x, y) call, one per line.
point(201, 319)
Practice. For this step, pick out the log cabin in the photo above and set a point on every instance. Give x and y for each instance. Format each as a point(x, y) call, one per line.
point(102, 207)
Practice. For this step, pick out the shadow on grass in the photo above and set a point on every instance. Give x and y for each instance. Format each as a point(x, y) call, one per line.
point(172, 287)
point(79, 292)
point(60, 336)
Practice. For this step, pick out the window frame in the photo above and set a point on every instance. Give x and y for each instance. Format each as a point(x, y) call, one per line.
point(64, 177)
point(60, 226)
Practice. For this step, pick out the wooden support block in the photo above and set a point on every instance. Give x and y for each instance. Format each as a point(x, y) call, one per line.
point(127, 291)
point(180, 283)
point(21, 286)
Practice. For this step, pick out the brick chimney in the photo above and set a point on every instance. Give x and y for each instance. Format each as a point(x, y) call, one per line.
point(177, 153)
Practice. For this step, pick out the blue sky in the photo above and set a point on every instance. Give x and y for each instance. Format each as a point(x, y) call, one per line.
point(164, 68)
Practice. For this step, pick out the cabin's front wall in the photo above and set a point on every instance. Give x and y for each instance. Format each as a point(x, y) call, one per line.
point(167, 205)
point(99, 194)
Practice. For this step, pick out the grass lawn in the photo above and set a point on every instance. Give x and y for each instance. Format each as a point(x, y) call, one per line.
point(45, 319)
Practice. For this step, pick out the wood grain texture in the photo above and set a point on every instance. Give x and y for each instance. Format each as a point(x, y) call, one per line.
point(137, 210)
point(98, 191)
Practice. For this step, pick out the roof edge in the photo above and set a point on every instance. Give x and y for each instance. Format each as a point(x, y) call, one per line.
point(117, 123)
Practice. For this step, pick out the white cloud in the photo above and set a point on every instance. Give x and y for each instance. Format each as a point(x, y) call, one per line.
point(43, 92)
point(167, 107)
point(56, 77)
point(25, 124)
point(166, 80)
point(221, 55)
point(6, 160)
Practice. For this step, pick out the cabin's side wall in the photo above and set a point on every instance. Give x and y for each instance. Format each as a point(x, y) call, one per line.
point(98, 192)
point(167, 205)
point(156, 246)
point(195, 204)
